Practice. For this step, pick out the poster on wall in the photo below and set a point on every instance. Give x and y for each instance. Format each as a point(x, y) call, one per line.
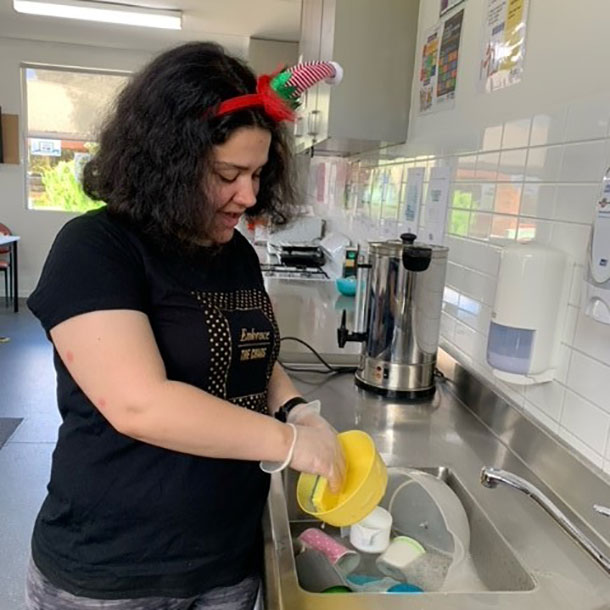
point(448, 58)
point(427, 73)
point(503, 49)
point(327, 182)
point(413, 194)
point(448, 5)
point(439, 65)
point(437, 201)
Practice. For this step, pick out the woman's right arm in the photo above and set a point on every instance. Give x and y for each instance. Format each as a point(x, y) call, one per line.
point(113, 357)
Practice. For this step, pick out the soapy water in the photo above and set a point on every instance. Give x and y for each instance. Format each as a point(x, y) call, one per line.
point(428, 572)
point(465, 578)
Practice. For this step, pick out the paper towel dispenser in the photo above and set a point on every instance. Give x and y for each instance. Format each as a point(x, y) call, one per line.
point(527, 318)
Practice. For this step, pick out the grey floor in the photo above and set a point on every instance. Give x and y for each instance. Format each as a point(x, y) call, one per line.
point(27, 390)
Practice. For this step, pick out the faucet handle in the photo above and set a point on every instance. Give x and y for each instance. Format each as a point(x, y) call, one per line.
point(602, 510)
point(344, 335)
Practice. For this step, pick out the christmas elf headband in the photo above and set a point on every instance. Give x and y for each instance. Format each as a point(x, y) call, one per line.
point(278, 94)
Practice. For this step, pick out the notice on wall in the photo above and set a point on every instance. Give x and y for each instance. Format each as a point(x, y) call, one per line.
point(448, 58)
point(413, 194)
point(448, 5)
point(503, 50)
point(437, 200)
point(439, 64)
point(428, 71)
point(327, 182)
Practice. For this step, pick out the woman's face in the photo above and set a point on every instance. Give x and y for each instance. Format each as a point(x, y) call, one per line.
point(234, 183)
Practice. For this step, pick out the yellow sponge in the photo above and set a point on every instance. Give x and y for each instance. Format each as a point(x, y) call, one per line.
point(318, 494)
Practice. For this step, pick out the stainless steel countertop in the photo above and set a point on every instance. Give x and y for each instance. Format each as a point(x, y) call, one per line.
point(311, 310)
point(443, 432)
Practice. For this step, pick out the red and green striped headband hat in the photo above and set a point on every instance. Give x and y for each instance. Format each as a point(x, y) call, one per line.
point(279, 94)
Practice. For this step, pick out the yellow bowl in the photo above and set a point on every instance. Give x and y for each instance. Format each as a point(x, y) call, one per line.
point(366, 478)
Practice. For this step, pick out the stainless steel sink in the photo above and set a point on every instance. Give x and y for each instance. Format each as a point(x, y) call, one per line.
point(497, 567)
point(522, 556)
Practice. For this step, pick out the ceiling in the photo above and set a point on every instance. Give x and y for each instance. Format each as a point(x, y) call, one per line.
point(229, 22)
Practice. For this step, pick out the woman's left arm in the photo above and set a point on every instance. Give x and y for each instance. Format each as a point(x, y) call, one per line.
point(280, 388)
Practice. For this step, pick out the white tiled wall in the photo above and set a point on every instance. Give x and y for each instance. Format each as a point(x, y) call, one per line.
point(527, 162)
point(540, 182)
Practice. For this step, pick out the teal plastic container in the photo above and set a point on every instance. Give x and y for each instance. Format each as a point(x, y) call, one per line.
point(347, 285)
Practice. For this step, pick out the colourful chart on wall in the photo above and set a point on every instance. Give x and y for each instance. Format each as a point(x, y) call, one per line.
point(439, 64)
point(503, 49)
point(448, 58)
point(447, 5)
point(428, 71)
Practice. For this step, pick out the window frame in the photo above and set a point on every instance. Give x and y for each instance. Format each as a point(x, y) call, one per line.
point(25, 130)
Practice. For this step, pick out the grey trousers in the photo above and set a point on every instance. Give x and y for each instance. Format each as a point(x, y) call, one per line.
point(40, 594)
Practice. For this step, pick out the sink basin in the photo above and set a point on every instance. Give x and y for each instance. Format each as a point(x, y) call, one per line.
point(521, 557)
point(494, 564)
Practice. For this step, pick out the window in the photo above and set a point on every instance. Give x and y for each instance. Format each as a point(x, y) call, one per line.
point(64, 111)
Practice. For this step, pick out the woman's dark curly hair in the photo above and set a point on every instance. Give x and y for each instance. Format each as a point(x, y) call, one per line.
point(154, 159)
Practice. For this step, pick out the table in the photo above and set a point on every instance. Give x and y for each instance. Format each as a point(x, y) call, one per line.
point(11, 241)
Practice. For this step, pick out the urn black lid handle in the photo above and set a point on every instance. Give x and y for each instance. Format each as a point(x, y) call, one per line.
point(408, 238)
point(414, 258)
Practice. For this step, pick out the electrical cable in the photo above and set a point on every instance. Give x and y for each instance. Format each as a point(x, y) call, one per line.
point(329, 369)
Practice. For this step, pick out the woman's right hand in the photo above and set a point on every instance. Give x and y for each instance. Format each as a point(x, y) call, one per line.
point(318, 451)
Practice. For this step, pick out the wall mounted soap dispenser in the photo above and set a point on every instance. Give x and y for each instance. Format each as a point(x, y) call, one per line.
point(597, 275)
point(527, 319)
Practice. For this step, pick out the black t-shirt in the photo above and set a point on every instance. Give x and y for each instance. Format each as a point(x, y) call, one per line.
point(123, 518)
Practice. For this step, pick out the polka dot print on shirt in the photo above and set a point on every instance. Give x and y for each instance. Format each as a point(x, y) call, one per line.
point(214, 305)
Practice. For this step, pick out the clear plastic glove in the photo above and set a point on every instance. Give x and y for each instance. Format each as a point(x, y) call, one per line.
point(308, 414)
point(318, 451)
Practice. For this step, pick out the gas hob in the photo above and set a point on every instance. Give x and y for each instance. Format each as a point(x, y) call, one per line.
point(277, 270)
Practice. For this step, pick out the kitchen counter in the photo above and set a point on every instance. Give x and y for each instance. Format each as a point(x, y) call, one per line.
point(311, 310)
point(444, 432)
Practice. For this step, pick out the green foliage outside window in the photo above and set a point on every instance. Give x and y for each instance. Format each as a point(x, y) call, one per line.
point(63, 191)
point(462, 199)
point(458, 222)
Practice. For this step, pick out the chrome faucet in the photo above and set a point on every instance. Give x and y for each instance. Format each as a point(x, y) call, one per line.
point(602, 510)
point(490, 477)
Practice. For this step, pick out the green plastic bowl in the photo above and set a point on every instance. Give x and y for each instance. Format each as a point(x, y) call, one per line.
point(347, 286)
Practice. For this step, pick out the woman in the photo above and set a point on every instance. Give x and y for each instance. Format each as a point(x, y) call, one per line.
point(165, 348)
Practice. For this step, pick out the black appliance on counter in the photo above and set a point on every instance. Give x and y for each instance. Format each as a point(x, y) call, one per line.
point(293, 272)
point(301, 255)
point(295, 261)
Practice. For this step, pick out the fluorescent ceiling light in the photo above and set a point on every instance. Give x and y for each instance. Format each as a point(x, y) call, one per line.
point(102, 13)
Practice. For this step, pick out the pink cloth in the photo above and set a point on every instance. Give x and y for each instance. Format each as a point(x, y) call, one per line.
point(338, 555)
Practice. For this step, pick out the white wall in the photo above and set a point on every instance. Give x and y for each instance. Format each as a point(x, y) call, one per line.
point(545, 144)
point(565, 61)
point(38, 228)
point(266, 56)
